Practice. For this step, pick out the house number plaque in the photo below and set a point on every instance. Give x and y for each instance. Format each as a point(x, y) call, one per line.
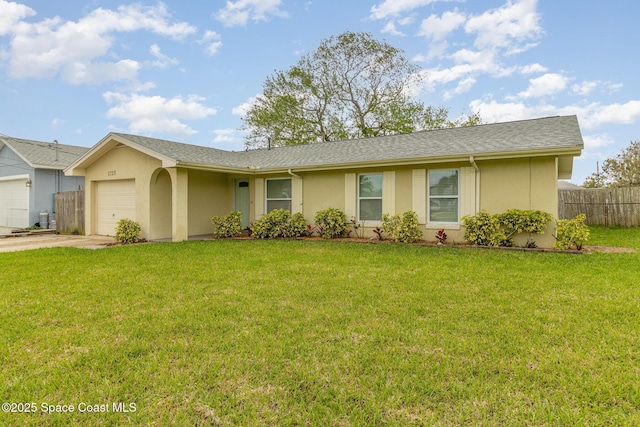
point(111, 173)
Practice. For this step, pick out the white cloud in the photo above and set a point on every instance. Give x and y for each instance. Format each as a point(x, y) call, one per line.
point(143, 87)
point(591, 142)
point(10, 14)
point(438, 28)
point(584, 88)
point(545, 85)
point(393, 8)
point(614, 87)
point(590, 116)
point(533, 68)
point(100, 72)
point(505, 26)
point(598, 115)
point(162, 60)
point(464, 85)
point(212, 40)
point(390, 28)
point(493, 111)
point(240, 11)
point(224, 135)
point(242, 109)
point(156, 114)
point(495, 34)
point(48, 47)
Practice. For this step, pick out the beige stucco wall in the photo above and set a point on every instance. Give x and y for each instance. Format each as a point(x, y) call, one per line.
point(528, 183)
point(322, 190)
point(210, 193)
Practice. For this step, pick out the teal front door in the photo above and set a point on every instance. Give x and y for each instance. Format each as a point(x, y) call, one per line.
point(242, 202)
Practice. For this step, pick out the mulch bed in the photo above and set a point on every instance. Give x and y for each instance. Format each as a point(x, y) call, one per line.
point(585, 249)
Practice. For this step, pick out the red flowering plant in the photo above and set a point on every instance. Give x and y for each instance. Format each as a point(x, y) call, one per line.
point(379, 232)
point(441, 236)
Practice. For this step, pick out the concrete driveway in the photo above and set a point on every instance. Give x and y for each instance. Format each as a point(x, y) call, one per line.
point(26, 242)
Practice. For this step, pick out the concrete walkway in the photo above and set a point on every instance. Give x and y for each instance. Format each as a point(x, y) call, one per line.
point(11, 243)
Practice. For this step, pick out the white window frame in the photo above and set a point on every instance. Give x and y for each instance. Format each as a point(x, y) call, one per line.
point(429, 197)
point(267, 198)
point(381, 198)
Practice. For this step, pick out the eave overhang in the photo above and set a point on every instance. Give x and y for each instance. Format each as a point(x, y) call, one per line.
point(106, 144)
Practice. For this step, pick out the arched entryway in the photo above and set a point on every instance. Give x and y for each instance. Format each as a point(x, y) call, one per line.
point(160, 205)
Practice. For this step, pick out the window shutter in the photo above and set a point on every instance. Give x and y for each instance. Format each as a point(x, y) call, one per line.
point(350, 201)
point(419, 194)
point(467, 191)
point(258, 184)
point(389, 192)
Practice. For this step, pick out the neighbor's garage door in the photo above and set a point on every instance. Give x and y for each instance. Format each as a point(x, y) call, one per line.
point(114, 200)
point(14, 202)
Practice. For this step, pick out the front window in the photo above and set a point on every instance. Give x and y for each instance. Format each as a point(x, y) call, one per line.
point(444, 196)
point(370, 196)
point(278, 194)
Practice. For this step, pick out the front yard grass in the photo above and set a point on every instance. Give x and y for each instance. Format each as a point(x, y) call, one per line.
point(321, 333)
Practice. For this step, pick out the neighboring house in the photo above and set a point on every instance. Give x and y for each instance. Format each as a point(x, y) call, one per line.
point(31, 172)
point(173, 189)
point(566, 185)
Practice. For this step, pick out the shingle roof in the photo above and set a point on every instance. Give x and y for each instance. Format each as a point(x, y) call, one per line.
point(551, 133)
point(565, 185)
point(40, 154)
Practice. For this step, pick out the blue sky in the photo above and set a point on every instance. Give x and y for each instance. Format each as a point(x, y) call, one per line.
point(185, 71)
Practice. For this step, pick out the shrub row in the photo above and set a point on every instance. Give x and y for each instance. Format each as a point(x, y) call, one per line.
point(486, 229)
point(330, 223)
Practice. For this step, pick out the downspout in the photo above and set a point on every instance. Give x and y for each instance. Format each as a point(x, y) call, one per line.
point(290, 172)
point(475, 166)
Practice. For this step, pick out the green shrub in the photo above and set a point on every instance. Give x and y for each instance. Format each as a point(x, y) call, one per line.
point(127, 231)
point(227, 226)
point(331, 223)
point(483, 229)
point(571, 232)
point(524, 221)
point(403, 227)
point(296, 227)
point(279, 223)
point(515, 221)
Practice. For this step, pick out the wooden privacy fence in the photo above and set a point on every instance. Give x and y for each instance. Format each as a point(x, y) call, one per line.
point(70, 212)
point(602, 206)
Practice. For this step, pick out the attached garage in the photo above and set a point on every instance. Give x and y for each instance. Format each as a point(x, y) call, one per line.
point(14, 201)
point(114, 200)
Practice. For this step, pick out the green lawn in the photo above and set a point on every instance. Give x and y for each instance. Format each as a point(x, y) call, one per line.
point(322, 333)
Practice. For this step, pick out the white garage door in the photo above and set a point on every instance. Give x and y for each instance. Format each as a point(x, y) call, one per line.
point(14, 202)
point(114, 200)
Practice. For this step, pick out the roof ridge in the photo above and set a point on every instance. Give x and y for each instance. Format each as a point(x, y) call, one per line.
point(423, 131)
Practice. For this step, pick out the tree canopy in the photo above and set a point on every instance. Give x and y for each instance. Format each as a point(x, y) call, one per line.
point(620, 171)
point(351, 86)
